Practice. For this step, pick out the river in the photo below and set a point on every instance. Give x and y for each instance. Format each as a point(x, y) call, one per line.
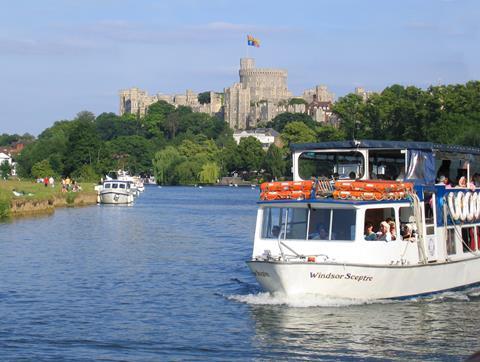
point(166, 279)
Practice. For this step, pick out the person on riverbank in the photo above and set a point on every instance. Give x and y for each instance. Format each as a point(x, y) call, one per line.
point(45, 181)
point(51, 181)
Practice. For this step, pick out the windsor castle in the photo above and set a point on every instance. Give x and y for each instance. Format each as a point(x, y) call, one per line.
point(259, 96)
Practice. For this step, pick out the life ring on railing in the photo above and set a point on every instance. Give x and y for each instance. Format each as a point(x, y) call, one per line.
point(466, 207)
point(472, 207)
point(454, 205)
point(462, 204)
point(477, 210)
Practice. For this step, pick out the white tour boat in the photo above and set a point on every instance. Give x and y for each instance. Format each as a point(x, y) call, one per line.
point(116, 192)
point(311, 233)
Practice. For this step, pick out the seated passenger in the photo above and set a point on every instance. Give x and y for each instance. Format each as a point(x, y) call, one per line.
point(352, 175)
point(407, 233)
point(393, 230)
point(384, 233)
point(369, 234)
point(319, 234)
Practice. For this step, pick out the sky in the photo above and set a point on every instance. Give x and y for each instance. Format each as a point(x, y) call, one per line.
point(61, 57)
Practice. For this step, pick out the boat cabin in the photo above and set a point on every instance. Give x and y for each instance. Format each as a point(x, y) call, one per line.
point(375, 202)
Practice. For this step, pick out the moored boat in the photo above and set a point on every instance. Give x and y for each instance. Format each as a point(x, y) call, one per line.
point(313, 234)
point(116, 192)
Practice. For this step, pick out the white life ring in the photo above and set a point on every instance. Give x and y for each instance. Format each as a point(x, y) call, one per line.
point(453, 205)
point(477, 213)
point(464, 205)
point(473, 207)
point(468, 210)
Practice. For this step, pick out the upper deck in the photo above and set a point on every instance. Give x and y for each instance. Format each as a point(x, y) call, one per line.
point(421, 163)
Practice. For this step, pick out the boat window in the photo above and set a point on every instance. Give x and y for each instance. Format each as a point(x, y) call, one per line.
point(386, 164)
point(319, 224)
point(122, 186)
point(297, 223)
point(376, 216)
point(343, 225)
point(107, 186)
point(408, 224)
point(468, 237)
point(429, 200)
point(451, 249)
point(114, 186)
point(273, 222)
point(343, 165)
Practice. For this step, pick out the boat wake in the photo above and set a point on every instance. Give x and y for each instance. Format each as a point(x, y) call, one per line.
point(312, 300)
point(300, 301)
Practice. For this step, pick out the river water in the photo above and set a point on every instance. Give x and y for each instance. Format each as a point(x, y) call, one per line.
point(166, 279)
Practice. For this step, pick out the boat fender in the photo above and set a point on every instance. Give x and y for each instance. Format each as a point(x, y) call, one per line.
point(452, 205)
point(464, 205)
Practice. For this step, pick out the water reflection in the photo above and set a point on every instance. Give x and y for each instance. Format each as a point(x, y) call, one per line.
point(393, 330)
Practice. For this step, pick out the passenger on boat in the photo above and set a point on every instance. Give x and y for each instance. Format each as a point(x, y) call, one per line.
point(320, 233)
point(462, 183)
point(275, 231)
point(407, 233)
point(384, 233)
point(443, 180)
point(369, 234)
point(393, 230)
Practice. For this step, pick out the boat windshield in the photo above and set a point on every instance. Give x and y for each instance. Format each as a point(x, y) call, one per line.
point(308, 224)
point(338, 164)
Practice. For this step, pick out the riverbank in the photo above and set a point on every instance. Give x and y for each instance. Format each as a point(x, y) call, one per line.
point(23, 198)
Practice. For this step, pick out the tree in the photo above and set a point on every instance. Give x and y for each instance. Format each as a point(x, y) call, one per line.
point(164, 164)
point(204, 98)
point(298, 132)
point(42, 169)
point(251, 154)
point(5, 169)
point(154, 120)
point(274, 163)
point(83, 146)
point(280, 121)
point(210, 173)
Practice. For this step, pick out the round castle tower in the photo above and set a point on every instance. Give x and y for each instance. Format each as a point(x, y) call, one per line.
point(264, 83)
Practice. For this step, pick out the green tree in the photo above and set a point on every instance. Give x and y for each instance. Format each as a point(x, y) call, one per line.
point(83, 146)
point(42, 169)
point(251, 154)
point(5, 169)
point(209, 173)
point(164, 164)
point(280, 121)
point(298, 132)
point(274, 163)
point(204, 98)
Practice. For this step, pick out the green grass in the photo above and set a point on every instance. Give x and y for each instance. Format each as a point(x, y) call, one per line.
point(34, 191)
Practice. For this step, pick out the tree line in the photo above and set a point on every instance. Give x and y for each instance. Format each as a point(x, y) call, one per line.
point(179, 146)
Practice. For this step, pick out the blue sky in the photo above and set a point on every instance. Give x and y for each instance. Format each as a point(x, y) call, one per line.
point(59, 57)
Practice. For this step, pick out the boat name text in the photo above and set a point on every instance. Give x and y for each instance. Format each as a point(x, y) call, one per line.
point(347, 276)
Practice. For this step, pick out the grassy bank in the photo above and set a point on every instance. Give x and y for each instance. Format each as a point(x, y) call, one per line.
point(27, 197)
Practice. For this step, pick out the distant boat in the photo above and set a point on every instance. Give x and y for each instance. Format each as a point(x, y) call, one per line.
point(116, 192)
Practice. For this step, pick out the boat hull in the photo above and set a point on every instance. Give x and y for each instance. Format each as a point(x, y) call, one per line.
point(366, 282)
point(111, 197)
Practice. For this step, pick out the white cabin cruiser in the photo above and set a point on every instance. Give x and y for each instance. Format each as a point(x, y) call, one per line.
point(116, 192)
point(311, 234)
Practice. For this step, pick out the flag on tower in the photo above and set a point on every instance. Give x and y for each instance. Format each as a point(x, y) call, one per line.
point(253, 41)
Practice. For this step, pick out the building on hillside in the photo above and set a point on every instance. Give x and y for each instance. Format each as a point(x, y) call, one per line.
point(266, 136)
point(136, 101)
point(359, 91)
point(256, 97)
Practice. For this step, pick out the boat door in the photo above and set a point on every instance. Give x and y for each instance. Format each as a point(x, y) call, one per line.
point(430, 225)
